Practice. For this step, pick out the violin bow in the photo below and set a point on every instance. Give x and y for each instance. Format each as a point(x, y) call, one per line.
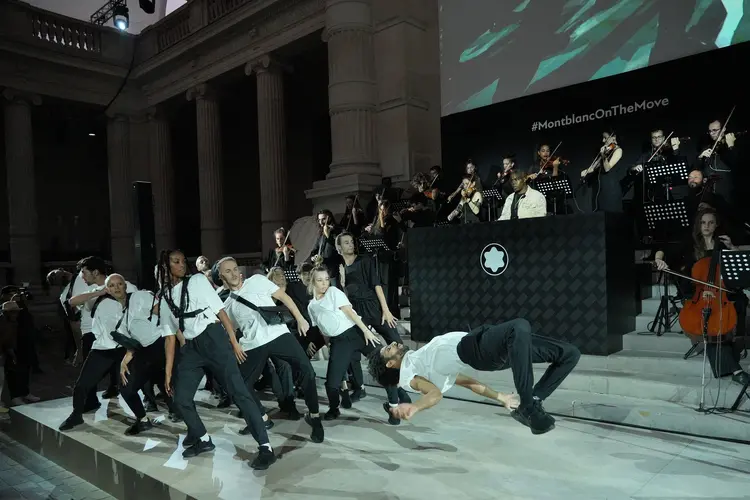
point(718, 138)
point(351, 215)
point(282, 249)
point(551, 155)
point(689, 278)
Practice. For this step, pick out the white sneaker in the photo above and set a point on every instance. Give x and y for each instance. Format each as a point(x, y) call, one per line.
point(30, 398)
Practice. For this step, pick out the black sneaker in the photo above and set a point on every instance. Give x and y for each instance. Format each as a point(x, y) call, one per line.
point(346, 400)
point(151, 407)
point(72, 421)
point(139, 426)
point(111, 393)
point(198, 448)
point(318, 434)
point(264, 459)
point(332, 414)
point(358, 394)
point(189, 441)
point(391, 419)
point(534, 417)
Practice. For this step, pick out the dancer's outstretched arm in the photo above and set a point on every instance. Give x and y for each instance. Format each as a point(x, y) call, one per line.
point(431, 397)
point(510, 401)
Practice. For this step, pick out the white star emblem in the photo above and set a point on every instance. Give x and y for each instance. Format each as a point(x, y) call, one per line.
point(494, 259)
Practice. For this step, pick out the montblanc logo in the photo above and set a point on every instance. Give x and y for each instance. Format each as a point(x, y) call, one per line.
point(494, 259)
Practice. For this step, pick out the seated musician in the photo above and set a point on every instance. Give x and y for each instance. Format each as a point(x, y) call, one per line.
point(470, 191)
point(525, 202)
point(704, 239)
point(547, 166)
point(282, 254)
point(423, 204)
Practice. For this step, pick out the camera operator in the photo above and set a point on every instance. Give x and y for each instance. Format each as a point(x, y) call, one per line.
point(17, 345)
point(72, 285)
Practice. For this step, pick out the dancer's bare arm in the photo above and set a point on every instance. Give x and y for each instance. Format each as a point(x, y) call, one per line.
point(507, 400)
point(431, 396)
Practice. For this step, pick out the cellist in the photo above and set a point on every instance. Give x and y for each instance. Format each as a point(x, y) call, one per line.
point(705, 238)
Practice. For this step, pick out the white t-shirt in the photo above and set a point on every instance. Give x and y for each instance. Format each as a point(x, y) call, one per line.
point(107, 314)
point(136, 324)
point(202, 297)
point(87, 323)
point(437, 362)
point(257, 290)
point(326, 313)
point(79, 287)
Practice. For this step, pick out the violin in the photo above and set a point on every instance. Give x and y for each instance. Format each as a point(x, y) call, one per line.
point(553, 159)
point(282, 247)
point(709, 312)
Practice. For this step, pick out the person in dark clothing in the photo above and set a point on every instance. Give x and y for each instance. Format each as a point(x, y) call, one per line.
point(15, 350)
point(324, 251)
point(604, 176)
point(282, 254)
point(439, 365)
point(722, 163)
point(707, 237)
point(389, 230)
point(353, 219)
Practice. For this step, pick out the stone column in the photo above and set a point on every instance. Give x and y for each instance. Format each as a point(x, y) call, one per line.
point(162, 179)
point(352, 88)
point(120, 196)
point(210, 174)
point(21, 189)
point(271, 146)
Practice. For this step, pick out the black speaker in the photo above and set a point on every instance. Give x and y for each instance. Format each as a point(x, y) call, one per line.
point(148, 6)
point(145, 235)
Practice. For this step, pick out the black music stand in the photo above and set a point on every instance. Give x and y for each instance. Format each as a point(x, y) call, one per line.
point(735, 271)
point(670, 219)
point(553, 188)
point(492, 194)
point(443, 223)
point(372, 245)
point(666, 174)
point(291, 275)
point(397, 206)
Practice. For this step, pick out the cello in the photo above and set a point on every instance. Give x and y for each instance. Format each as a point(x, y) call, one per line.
point(709, 313)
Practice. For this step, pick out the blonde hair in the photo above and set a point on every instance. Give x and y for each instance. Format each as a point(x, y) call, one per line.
point(276, 274)
point(311, 284)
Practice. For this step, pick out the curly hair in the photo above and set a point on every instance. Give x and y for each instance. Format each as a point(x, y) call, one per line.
point(376, 365)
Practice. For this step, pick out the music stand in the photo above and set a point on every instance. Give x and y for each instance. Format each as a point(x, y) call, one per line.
point(666, 173)
point(492, 194)
point(553, 188)
point(397, 206)
point(372, 245)
point(735, 271)
point(671, 218)
point(291, 275)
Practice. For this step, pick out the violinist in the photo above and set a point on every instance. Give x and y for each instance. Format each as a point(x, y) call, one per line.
point(470, 190)
point(604, 178)
point(422, 208)
point(721, 162)
point(324, 250)
point(387, 228)
point(705, 238)
point(547, 165)
point(282, 255)
point(503, 177)
point(353, 219)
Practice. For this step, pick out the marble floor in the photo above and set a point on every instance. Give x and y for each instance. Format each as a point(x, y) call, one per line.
point(455, 450)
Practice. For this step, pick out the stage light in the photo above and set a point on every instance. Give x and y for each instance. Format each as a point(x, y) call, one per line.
point(122, 17)
point(91, 134)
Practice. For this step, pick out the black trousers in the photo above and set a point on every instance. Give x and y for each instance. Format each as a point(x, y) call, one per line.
point(279, 374)
point(372, 316)
point(18, 376)
point(343, 348)
point(512, 345)
point(288, 349)
point(212, 349)
point(114, 374)
point(98, 363)
point(70, 341)
point(148, 364)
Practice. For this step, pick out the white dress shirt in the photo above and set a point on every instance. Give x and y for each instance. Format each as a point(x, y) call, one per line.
point(255, 331)
point(137, 324)
point(79, 287)
point(87, 323)
point(532, 204)
point(437, 362)
point(202, 297)
point(326, 313)
point(107, 315)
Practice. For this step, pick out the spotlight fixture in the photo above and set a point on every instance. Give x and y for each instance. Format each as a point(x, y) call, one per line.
point(91, 134)
point(113, 9)
point(148, 6)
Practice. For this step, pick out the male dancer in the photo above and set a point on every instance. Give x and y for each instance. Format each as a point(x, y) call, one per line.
point(360, 280)
point(436, 367)
point(189, 304)
point(261, 340)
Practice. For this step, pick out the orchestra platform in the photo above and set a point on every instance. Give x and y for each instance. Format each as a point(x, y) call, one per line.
point(456, 450)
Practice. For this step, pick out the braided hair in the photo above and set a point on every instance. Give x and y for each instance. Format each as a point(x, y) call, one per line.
point(165, 286)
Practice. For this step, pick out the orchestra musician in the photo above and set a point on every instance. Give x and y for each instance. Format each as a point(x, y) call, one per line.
point(603, 178)
point(525, 202)
point(423, 204)
point(503, 177)
point(706, 237)
point(324, 250)
point(547, 166)
point(282, 255)
point(470, 190)
point(353, 219)
point(721, 163)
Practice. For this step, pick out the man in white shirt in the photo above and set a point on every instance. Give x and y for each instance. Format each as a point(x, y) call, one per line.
point(73, 284)
point(436, 367)
point(260, 340)
point(525, 202)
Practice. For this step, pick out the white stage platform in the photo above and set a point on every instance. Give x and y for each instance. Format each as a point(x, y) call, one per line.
point(456, 450)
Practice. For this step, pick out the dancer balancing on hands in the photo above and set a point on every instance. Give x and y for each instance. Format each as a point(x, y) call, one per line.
point(443, 362)
point(190, 304)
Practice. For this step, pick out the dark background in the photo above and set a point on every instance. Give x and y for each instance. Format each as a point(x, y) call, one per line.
point(700, 89)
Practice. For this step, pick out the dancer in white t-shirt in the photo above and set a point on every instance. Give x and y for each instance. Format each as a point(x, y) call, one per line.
point(443, 362)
